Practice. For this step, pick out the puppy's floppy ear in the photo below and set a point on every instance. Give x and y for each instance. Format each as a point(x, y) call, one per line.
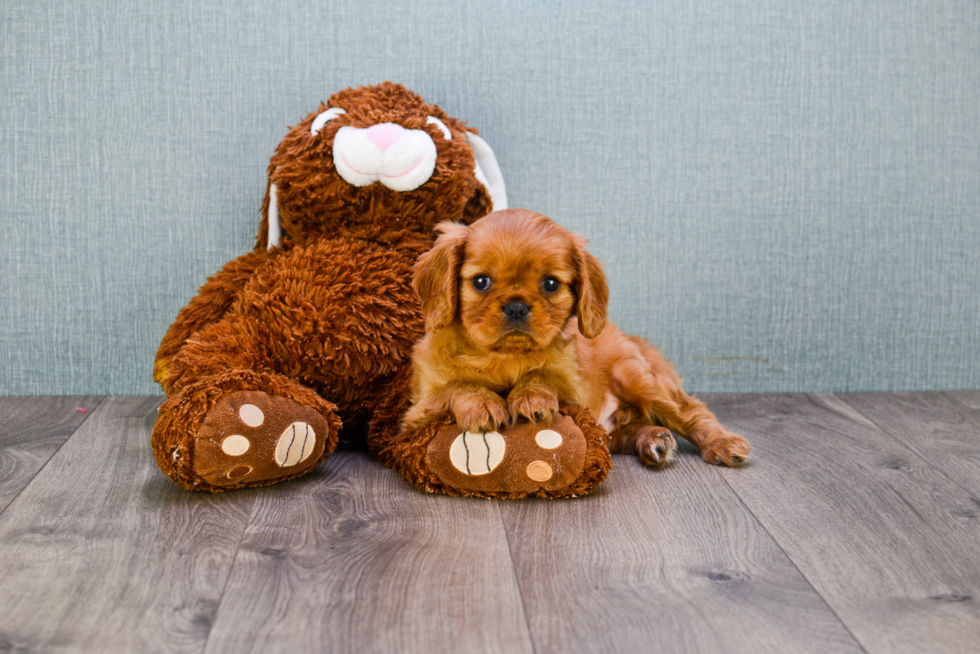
point(436, 277)
point(591, 289)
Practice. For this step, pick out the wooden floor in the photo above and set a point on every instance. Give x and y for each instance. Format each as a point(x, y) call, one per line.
point(857, 527)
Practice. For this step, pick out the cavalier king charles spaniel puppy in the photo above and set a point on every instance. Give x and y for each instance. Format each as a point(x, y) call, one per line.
point(515, 315)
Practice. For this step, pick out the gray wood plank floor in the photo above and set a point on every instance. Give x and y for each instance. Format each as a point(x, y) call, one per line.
point(31, 431)
point(354, 561)
point(935, 426)
point(889, 541)
point(856, 528)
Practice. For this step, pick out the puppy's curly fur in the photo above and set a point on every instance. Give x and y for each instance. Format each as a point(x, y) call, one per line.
point(515, 311)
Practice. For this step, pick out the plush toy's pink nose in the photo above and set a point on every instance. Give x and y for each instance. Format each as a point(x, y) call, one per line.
point(385, 135)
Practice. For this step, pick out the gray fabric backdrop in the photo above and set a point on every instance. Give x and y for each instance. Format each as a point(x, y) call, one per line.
point(786, 193)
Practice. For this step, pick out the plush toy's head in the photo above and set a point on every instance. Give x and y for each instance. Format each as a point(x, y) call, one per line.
point(377, 162)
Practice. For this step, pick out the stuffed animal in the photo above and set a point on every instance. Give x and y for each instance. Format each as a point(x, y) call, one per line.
point(313, 329)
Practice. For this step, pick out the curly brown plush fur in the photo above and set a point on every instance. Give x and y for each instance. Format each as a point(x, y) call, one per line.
point(284, 345)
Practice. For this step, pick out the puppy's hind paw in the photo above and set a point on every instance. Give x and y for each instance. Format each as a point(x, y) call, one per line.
point(655, 446)
point(729, 450)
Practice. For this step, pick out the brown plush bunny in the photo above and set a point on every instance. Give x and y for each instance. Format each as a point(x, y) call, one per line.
point(314, 328)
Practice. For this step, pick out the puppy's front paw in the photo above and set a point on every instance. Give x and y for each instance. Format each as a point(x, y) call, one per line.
point(480, 411)
point(533, 403)
point(727, 449)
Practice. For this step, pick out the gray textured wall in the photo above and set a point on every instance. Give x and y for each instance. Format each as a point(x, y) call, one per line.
point(787, 194)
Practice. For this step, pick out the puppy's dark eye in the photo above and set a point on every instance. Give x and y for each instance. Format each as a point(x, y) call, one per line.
point(550, 284)
point(481, 282)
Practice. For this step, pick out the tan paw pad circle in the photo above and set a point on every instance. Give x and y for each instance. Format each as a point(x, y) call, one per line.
point(477, 454)
point(548, 439)
point(251, 415)
point(235, 445)
point(295, 445)
point(539, 471)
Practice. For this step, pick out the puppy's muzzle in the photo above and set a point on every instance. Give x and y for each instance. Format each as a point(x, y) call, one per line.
point(516, 311)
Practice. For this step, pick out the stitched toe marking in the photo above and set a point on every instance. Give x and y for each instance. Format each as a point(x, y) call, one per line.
point(473, 453)
point(295, 444)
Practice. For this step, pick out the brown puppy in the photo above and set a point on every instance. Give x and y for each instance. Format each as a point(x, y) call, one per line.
point(515, 308)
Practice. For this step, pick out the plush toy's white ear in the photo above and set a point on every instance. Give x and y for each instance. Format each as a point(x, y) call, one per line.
point(488, 171)
point(275, 231)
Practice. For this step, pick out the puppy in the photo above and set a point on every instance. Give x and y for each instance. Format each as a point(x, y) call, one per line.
point(515, 312)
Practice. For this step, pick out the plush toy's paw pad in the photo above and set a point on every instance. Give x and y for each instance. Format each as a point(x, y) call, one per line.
point(477, 454)
point(251, 436)
point(655, 446)
point(522, 459)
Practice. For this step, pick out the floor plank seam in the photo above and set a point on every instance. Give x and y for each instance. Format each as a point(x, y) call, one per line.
point(231, 570)
point(895, 438)
point(517, 579)
point(86, 416)
point(793, 563)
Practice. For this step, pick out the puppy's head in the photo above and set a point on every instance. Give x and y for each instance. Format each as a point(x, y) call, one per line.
point(513, 279)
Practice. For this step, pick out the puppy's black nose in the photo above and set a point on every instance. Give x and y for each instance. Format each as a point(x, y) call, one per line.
point(516, 311)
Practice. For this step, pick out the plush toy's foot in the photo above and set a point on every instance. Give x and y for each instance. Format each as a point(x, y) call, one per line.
point(242, 429)
point(250, 437)
point(567, 456)
point(527, 458)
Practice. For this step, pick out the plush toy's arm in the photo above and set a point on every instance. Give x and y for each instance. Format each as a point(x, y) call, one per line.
point(209, 305)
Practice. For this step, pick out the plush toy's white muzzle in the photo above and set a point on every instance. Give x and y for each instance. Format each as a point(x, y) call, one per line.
point(401, 159)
